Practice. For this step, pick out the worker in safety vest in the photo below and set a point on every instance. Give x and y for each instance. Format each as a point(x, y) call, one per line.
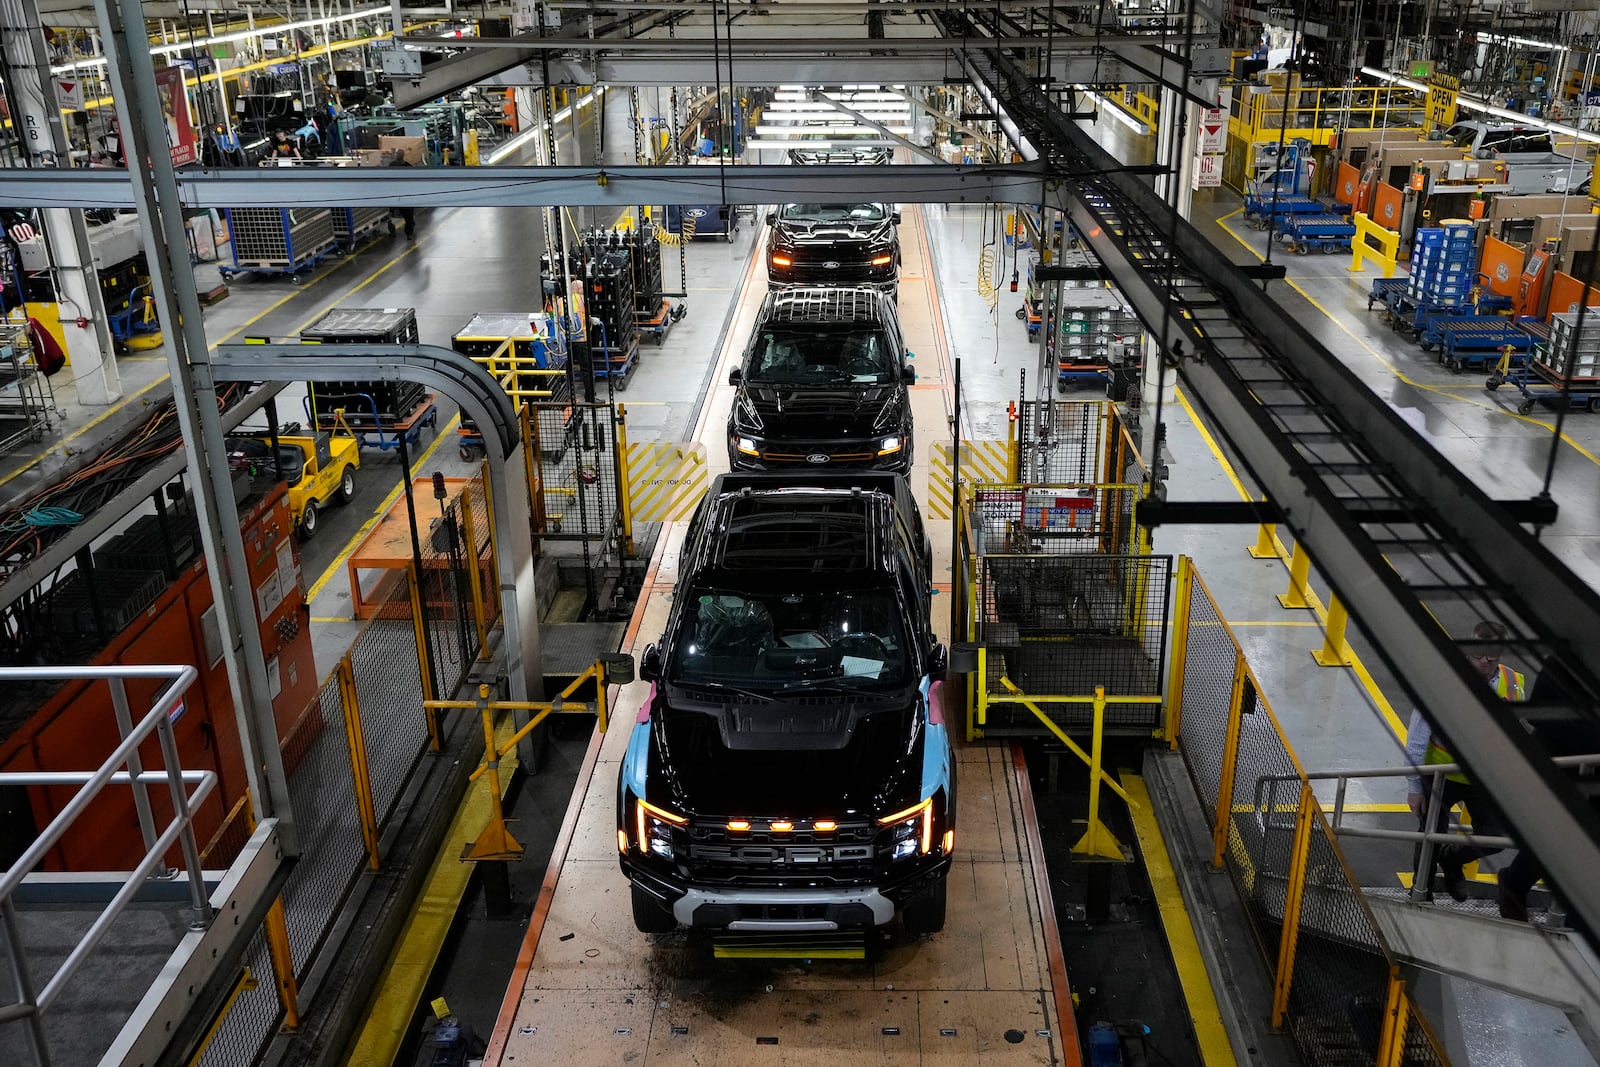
point(1427, 748)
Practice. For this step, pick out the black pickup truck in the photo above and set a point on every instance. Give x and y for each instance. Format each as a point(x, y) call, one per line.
point(791, 769)
point(834, 244)
point(823, 384)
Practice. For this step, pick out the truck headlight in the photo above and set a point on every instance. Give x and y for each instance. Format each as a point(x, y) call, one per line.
point(746, 446)
point(890, 445)
point(913, 830)
point(655, 827)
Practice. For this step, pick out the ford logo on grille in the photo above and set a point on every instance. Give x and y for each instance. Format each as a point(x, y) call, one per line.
point(818, 457)
point(832, 264)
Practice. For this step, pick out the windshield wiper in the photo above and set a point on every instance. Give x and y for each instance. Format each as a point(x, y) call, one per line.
point(723, 687)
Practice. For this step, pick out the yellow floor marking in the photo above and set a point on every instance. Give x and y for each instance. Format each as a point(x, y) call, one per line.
point(388, 1020)
point(224, 339)
point(445, 433)
point(325, 619)
point(1273, 622)
point(1209, 1034)
point(1454, 392)
point(1357, 667)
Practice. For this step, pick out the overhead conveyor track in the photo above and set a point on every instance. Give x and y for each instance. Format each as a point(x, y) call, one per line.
point(1417, 552)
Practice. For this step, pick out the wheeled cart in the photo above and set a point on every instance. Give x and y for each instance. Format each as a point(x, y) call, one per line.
point(278, 240)
point(372, 428)
point(659, 324)
point(1325, 233)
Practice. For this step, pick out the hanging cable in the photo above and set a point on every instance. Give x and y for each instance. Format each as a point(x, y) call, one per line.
point(1291, 72)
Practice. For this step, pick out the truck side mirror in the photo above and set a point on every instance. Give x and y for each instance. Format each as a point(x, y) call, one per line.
point(618, 667)
point(650, 664)
point(895, 218)
point(908, 375)
point(938, 661)
point(772, 217)
point(735, 376)
point(963, 658)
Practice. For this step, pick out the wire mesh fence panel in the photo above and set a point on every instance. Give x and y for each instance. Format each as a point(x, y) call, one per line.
point(253, 1018)
point(389, 687)
point(1337, 997)
point(1422, 1047)
point(1054, 520)
point(576, 469)
point(1065, 625)
point(445, 591)
point(1207, 685)
point(1061, 442)
point(1340, 986)
point(1266, 801)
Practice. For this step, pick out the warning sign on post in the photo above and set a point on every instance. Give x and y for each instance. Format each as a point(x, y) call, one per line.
point(69, 91)
point(1207, 172)
point(1213, 124)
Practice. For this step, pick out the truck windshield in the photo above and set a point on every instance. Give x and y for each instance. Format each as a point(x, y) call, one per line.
point(822, 355)
point(775, 642)
point(833, 213)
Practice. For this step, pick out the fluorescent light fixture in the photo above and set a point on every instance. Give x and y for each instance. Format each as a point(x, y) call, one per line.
point(819, 145)
point(851, 130)
point(1462, 100)
point(238, 35)
point(1116, 112)
point(1491, 38)
point(538, 128)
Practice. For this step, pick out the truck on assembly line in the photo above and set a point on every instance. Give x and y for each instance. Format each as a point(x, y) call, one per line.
point(791, 769)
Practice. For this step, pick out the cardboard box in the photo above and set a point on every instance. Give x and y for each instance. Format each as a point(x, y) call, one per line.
point(412, 147)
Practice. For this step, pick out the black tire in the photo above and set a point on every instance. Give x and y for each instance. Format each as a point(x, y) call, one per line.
point(1302, 249)
point(1525, 408)
point(925, 914)
point(1022, 313)
point(466, 453)
point(347, 485)
point(1456, 366)
point(309, 522)
point(1594, 404)
point(1492, 382)
point(648, 914)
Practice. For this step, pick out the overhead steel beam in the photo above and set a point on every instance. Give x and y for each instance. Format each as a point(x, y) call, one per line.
point(932, 68)
point(1540, 801)
point(539, 186)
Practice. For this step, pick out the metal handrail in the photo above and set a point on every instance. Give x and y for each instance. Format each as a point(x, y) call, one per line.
point(180, 830)
point(1267, 784)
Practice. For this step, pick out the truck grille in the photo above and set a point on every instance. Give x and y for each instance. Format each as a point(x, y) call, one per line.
point(717, 853)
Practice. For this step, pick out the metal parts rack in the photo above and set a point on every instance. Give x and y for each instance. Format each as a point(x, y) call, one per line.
point(24, 409)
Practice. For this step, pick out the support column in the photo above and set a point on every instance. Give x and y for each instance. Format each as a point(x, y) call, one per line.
point(131, 70)
point(32, 92)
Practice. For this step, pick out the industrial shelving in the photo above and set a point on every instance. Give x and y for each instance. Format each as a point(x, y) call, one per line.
point(24, 409)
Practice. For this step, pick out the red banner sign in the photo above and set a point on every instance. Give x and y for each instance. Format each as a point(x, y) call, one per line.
point(175, 111)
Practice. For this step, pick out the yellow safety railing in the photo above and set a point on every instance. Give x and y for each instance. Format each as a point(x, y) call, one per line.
point(1318, 114)
point(496, 841)
point(1334, 976)
point(521, 376)
point(1373, 242)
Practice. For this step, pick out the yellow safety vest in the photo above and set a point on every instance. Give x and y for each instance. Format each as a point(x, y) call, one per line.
point(1507, 685)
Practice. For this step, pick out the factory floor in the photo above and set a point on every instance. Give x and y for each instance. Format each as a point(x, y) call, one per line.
point(466, 260)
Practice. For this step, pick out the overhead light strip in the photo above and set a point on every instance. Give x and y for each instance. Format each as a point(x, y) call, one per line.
point(537, 128)
point(1462, 100)
point(1116, 112)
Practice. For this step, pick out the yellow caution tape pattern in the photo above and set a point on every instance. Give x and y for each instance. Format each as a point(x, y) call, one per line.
point(981, 461)
point(665, 479)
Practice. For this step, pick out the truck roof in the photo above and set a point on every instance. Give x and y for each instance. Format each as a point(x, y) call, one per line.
point(757, 523)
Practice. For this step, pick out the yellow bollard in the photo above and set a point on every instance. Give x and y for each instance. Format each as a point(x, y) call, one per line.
point(1266, 540)
point(1335, 650)
point(1298, 595)
point(495, 842)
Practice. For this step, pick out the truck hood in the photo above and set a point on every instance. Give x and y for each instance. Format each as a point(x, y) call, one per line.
point(770, 759)
point(792, 234)
point(800, 412)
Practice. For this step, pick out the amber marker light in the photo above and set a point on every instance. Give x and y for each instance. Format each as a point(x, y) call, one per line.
point(739, 824)
point(949, 842)
point(622, 840)
point(826, 825)
point(782, 826)
point(882, 261)
point(782, 261)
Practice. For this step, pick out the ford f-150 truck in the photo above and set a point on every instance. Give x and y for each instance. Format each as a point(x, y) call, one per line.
point(791, 769)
